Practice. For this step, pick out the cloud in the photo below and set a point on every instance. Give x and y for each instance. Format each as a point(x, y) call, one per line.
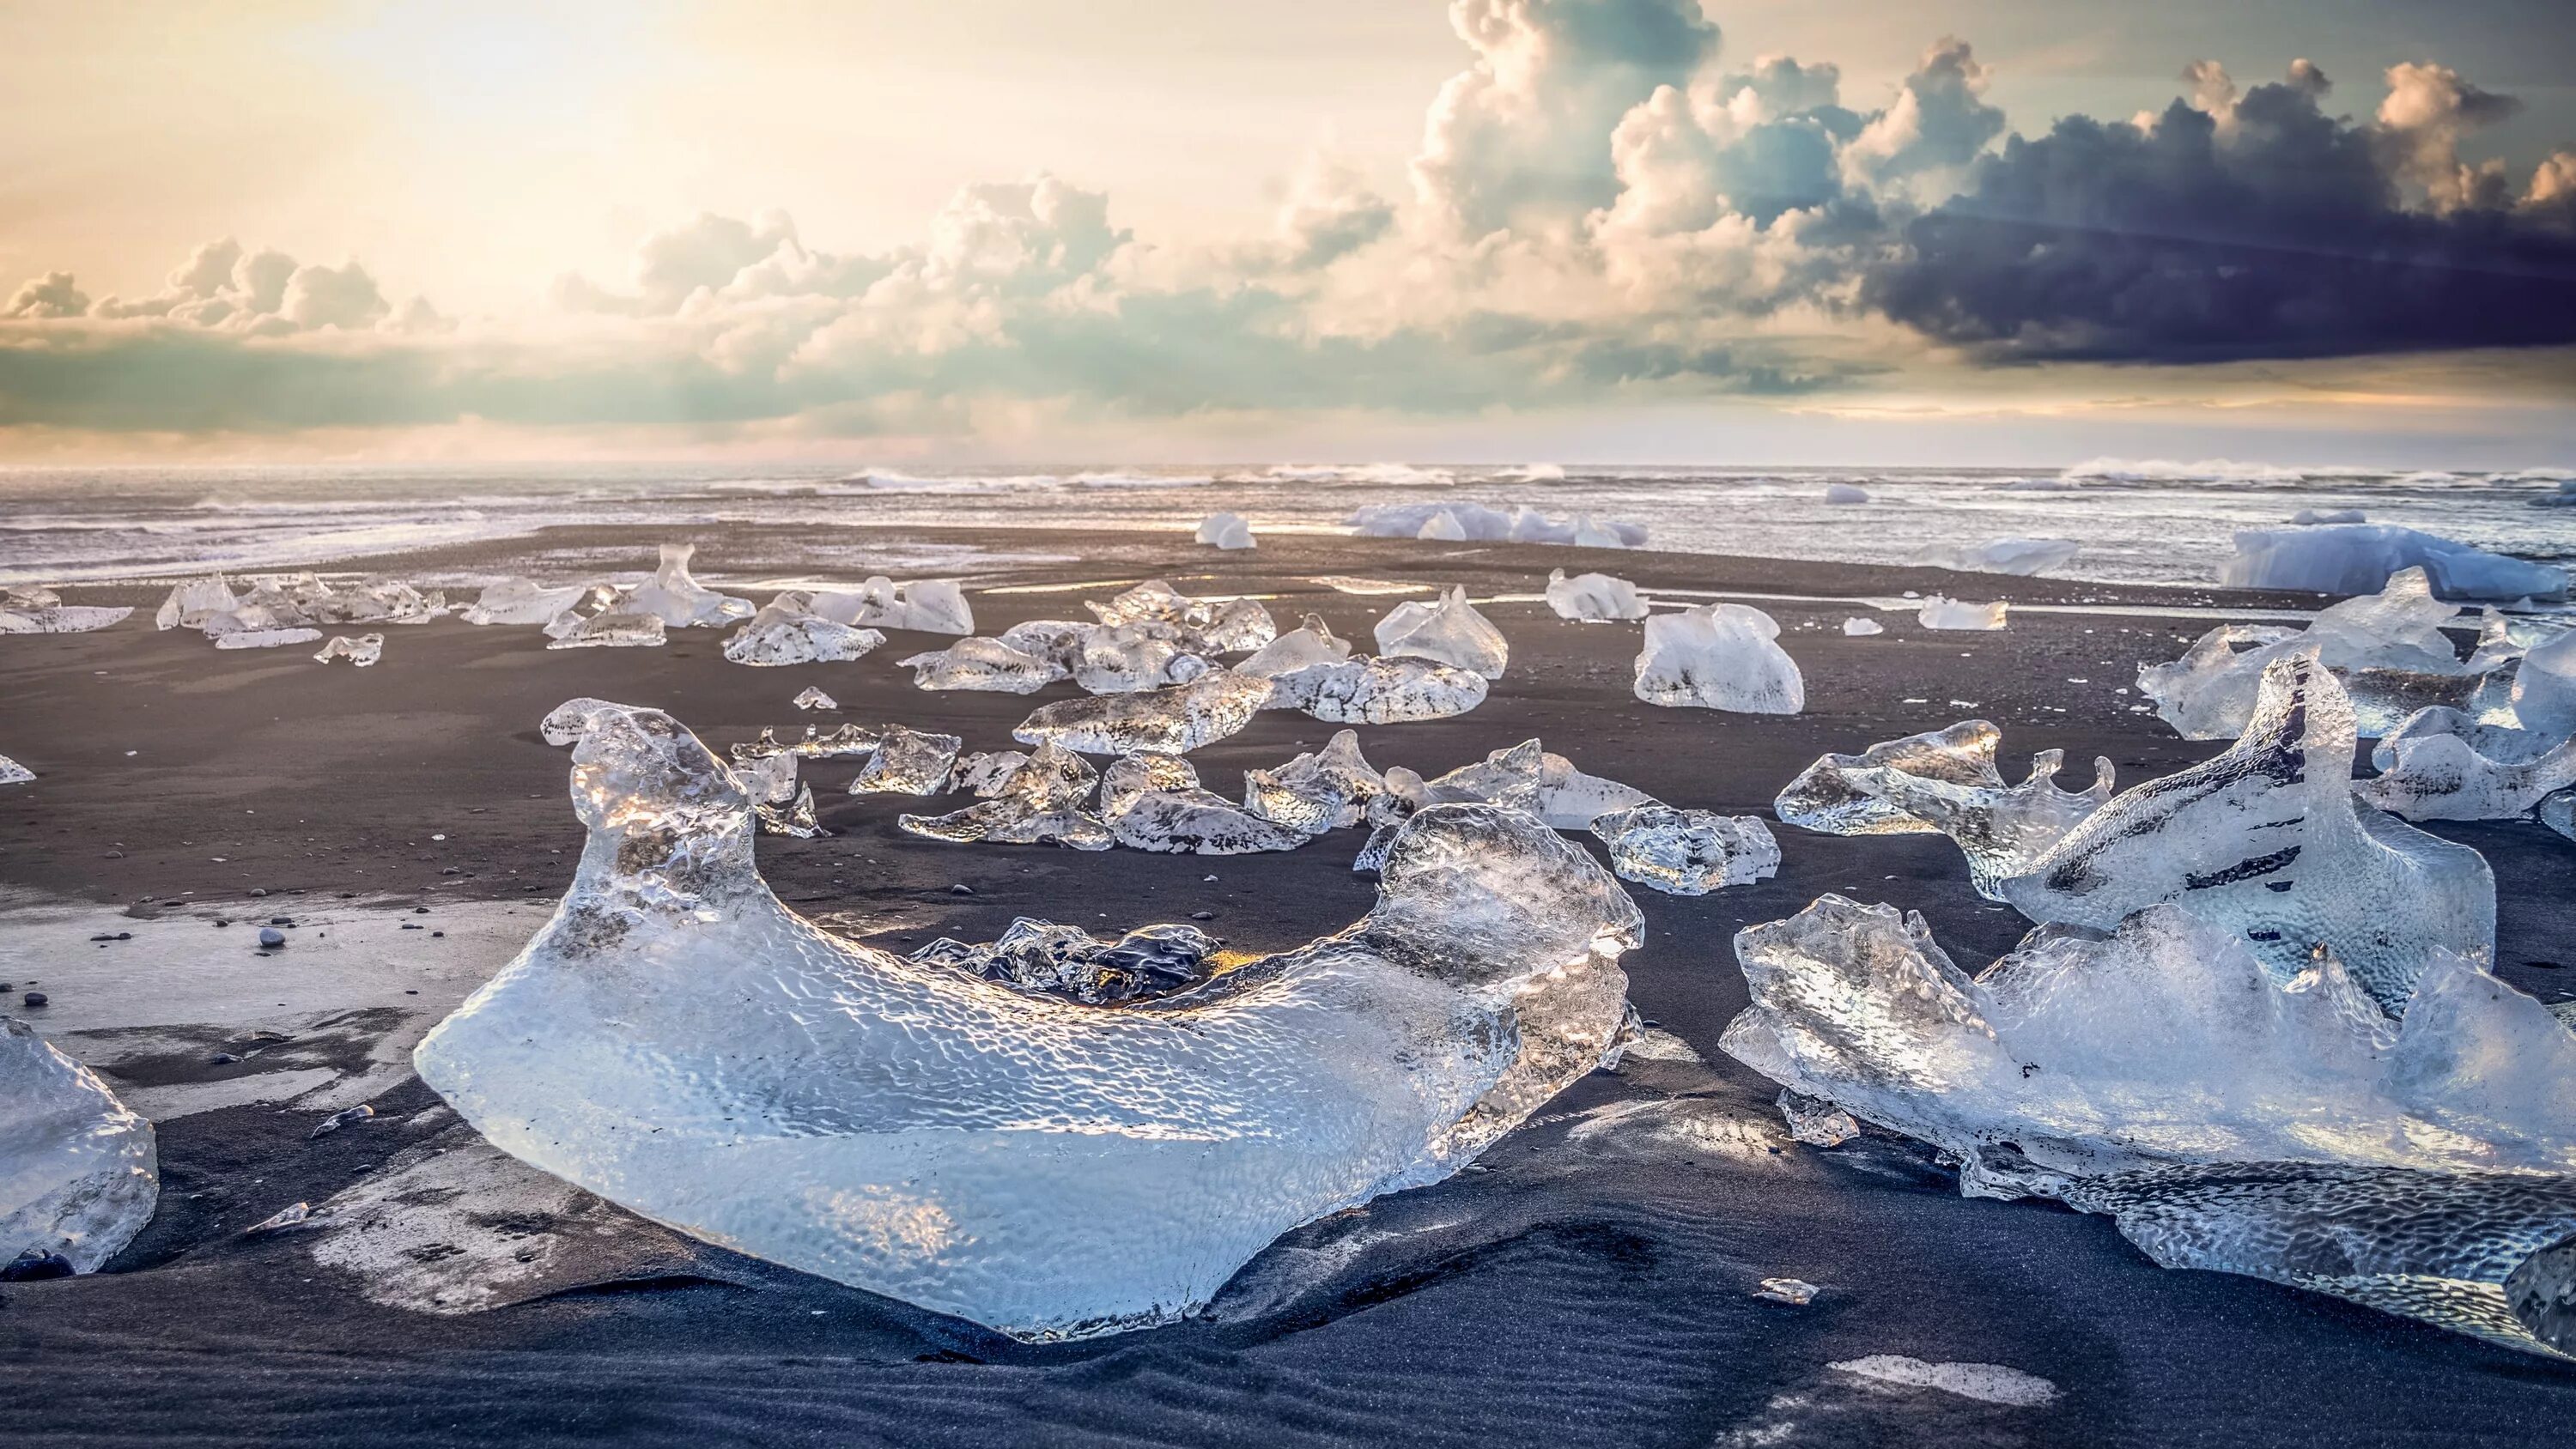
point(1331, 212)
point(51, 295)
point(2282, 233)
point(2427, 112)
point(1939, 122)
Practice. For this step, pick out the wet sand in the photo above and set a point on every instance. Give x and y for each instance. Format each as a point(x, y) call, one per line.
point(1591, 1278)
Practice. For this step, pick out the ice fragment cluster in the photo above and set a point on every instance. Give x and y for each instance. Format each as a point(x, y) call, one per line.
point(1474, 522)
point(2360, 558)
point(1945, 780)
point(1687, 852)
point(907, 762)
point(1173, 720)
point(277, 609)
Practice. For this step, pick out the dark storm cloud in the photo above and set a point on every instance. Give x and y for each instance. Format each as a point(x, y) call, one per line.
point(2267, 230)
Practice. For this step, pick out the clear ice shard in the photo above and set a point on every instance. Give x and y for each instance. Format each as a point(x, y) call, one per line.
point(2269, 841)
point(676, 598)
point(2164, 1070)
point(812, 698)
point(982, 664)
point(1687, 852)
point(2387, 648)
point(1318, 791)
point(1205, 626)
point(983, 773)
point(1032, 799)
point(613, 628)
point(1067, 962)
point(1942, 613)
point(1378, 691)
point(265, 638)
point(2022, 556)
point(1593, 598)
point(193, 601)
point(36, 610)
point(13, 773)
point(1311, 643)
point(2544, 687)
point(1857, 628)
point(678, 1041)
point(1124, 658)
point(281, 603)
point(780, 636)
point(1174, 721)
point(1226, 531)
point(1946, 781)
point(521, 601)
point(1449, 632)
point(848, 742)
point(925, 606)
point(782, 806)
point(1719, 656)
point(1153, 802)
point(2558, 812)
point(78, 1173)
point(2443, 765)
point(907, 762)
point(362, 651)
point(2358, 558)
point(1815, 1121)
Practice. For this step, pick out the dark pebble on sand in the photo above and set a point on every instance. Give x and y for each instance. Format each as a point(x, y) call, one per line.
point(220, 921)
point(420, 910)
point(271, 937)
point(37, 998)
point(281, 920)
point(32, 1265)
point(222, 1059)
point(438, 933)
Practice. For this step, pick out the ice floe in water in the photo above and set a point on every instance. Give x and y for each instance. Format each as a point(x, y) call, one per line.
point(982, 664)
point(521, 601)
point(1322, 790)
point(32, 610)
point(2359, 558)
point(78, 1173)
point(2023, 556)
point(1047, 959)
point(1226, 531)
point(1174, 721)
point(779, 636)
point(1943, 613)
point(678, 1041)
point(1369, 690)
point(2387, 648)
point(1447, 632)
point(811, 698)
point(2268, 840)
point(1857, 627)
point(1719, 656)
point(1946, 780)
point(907, 762)
point(2230, 1116)
point(1687, 852)
point(2443, 765)
point(362, 651)
point(1593, 598)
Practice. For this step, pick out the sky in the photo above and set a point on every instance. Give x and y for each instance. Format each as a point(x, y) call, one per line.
point(1739, 231)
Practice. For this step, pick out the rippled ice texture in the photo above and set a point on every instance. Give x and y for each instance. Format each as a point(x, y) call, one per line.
point(678, 1041)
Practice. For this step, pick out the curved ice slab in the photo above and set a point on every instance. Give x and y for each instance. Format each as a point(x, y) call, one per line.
point(2357, 558)
point(780, 636)
point(2268, 840)
point(1687, 852)
point(678, 1041)
point(1448, 632)
point(1174, 721)
point(982, 664)
point(674, 596)
point(2442, 765)
point(1378, 691)
point(1593, 598)
point(1719, 656)
point(1946, 781)
point(78, 1175)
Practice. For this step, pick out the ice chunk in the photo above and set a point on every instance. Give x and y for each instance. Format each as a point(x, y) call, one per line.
point(1825, 798)
point(1946, 781)
point(1857, 628)
point(1572, 800)
point(1153, 802)
point(793, 817)
point(2558, 812)
point(982, 664)
point(613, 628)
point(777, 636)
point(1940, 613)
point(1152, 599)
point(1687, 852)
point(13, 773)
point(2310, 516)
point(676, 598)
point(1237, 626)
point(362, 651)
point(1815, 1121)
point(78, 1174)
point(1226, 531)
point(35, 610)
point(2269, 840)
point(265, 638)
point(908, 762)
point(1044, 958)
point(1213, 626)
point(2544, 686)
point(1318, 791)
point(813, 698)
point(2023, 556)
point(848, 742)
point(677, 1040)
point(1123, 658)
point(193, 601)
point(1379, 691)
point(1442, 527)
point(1175, 720)
point(1141, 773)
point(982, 774)
point(1057, 641)
point(924, 606)
point(1033, 799)
point(1845, 493)
point(1474, 522)
point(1593, 598)
point(1311, 642)
point(1719, 656)
point(1448, 632)
point(521, 601)
point(2443, 765)
point(2358, 558)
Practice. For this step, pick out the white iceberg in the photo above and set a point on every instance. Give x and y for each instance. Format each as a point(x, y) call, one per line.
point(982, 664)
point(907, 762)
point(362, 651)
point(1369, 690)
point(1447, 632)
point(850, 741)
point(521, 601)
point(2442, 764)
point(78, 1173)
point(1942, 613)
point(680, 1042)
point(2022, 556)
point(1593, 598)
point(1719, 656)
point(1845, 493)
point(1174, 721)
point(2358, 558)
point(674, 596)
point(775, 637)
point(1226, 531)
point(1687, 852)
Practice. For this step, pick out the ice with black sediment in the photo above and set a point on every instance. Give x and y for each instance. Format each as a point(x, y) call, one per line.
point(2229, 1116)
point(781, 635)
point(1368, 690)
point(1043, 958)
point(361, 652)
point(677, 1040)
point(2268, 840)
point(1449, 632)
point(13, 773)
point(79, 1173)
point(1031, 799)
point(1175, 720)
point(907, 762)
point(850, 741)
point(1946, 780)
point(1322, 790)
point(1593, 598)
point(987, 665)
point(2442, 764)
point(1719, 656)
point(1687, 852)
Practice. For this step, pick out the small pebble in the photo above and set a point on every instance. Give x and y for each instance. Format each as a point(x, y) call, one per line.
point(438, 933)
point(271, 937)
point(1202, 915)
point(114, 855)
point(37, 998)
point(420, 910)
point(259, 890)
point(281, 920)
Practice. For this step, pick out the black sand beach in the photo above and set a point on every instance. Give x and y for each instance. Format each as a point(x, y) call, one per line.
point(1590, 1280)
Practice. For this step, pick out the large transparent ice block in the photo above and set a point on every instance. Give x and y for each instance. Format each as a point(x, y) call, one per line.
point(78, 1173)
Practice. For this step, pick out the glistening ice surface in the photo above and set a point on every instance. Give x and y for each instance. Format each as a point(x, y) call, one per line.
point(678, 1041)
point(78, 1174)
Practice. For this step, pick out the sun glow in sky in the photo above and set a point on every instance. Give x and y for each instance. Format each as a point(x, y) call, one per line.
point(1988, 230)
